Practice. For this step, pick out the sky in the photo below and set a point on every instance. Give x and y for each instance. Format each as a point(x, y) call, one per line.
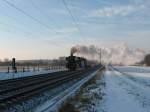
point(46, 29)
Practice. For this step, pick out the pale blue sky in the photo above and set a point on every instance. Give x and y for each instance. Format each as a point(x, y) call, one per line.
point(47, 30)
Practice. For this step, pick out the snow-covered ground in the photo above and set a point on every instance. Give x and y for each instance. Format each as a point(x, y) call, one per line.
point(123, 89)
point(134, 69)
point(127, 92)
point(4, 75)
point(138, 74)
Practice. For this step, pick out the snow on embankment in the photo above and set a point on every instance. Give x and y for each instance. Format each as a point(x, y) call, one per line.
point(56, 102)
point(118, 54)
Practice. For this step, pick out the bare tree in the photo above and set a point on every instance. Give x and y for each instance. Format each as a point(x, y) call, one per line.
point(147, 60)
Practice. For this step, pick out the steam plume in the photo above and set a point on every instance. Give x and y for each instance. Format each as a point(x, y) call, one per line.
point(118, 54)
point(74, 50)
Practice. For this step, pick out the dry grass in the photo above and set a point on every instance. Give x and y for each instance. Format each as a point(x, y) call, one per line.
point(84, 99)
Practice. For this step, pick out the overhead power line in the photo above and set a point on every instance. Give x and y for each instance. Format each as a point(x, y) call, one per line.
point(42, 12)
point(16, 26)
point(26, 14)
point(11, 28)
point(73, 18)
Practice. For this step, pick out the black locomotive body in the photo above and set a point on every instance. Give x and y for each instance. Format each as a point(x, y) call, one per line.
point(74, 62)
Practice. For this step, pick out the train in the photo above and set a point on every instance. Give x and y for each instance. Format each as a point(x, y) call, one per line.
point(74, 63)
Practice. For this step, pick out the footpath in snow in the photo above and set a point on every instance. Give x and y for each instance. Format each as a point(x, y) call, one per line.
point(122, 94)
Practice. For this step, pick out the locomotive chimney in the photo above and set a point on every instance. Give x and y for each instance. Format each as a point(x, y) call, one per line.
point(73, 50)
point(71, 54)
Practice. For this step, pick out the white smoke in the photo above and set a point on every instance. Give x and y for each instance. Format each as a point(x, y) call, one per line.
point(119, 54)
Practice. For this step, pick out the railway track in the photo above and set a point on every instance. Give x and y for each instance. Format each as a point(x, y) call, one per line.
point(16, 90)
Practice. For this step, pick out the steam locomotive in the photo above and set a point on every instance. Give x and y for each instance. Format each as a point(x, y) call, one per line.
point(74, 62)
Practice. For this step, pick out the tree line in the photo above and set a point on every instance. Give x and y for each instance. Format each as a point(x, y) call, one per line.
point(147, 60)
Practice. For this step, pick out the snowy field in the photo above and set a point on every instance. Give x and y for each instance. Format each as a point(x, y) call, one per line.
point(119, 89)
point(4, 75)
point(126, 90)
point(137, 74)
point(134, 69)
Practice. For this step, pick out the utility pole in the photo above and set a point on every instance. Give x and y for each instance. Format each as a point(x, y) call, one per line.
point(100, 54)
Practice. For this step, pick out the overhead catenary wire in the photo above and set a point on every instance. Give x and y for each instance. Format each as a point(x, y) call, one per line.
point(73, 18)
point(12, 32)
point(48, 17)
point(28, 15)
point(43, 12)
point(29, 33)
point(18, 29)
point(34, 19)
point(38, 20)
